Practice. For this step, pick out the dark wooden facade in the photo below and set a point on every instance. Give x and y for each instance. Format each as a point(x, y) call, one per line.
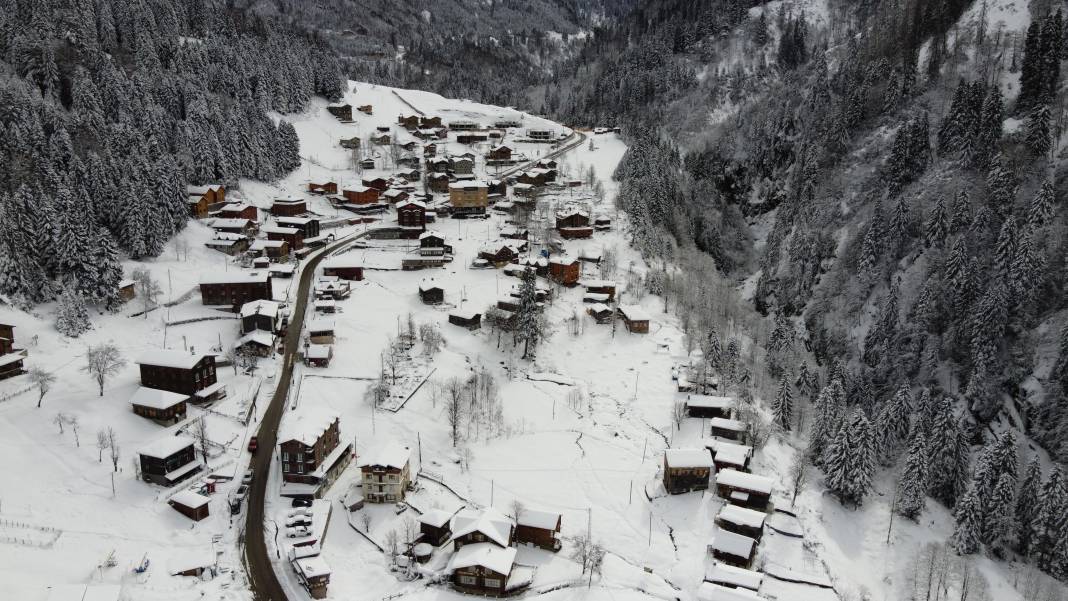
point(300, 460)
point(564, 271)
point(411, 215)
point(361, 195)
point(156, 469)
point(236, 293)
point(180, 379)
point(480, 580)
point(289, 207)
point(323, 188)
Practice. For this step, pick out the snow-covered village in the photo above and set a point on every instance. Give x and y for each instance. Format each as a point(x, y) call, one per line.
point(636, 300)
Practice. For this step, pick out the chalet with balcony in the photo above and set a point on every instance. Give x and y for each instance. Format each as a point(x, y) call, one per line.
point(201, 198)
point(239, 210)
point(261, 315)
point(573, 224)
point(161, 406)
point(361, 195)
point(274, 251)
point(169, 460)
point(386, 473)
point(433, 244)
point(500, 153)
point(538, 528)
point(439, 182)
point(311, 452)
point(289, 206)
point(411, 217)
point(322, 189)
point(342, 111)
point(178, 371)
point(408, 122)
point(290, 235)
point(309, 227)
point(686, 470)
point(234, 289)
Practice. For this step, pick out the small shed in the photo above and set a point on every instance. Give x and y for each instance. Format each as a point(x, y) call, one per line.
point(434, 527)
point(564, 270)
point(538, 528)
point(318, 355)
point(732, 577)
point(600, 312)
point(127, 291)
point(314, 573)
point(732, 548)
point(430, 292)
point(466, 318)
point(742, 520)
point(730, 429)
point(160, 406)
point(701, 405)
point(191, 504)
point(635, 318)
point(747, 490)
point(686, 470)
point(729, 455)
point(191, 563)
point(321, 331)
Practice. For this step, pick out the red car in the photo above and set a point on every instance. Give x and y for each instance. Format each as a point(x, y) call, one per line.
point(252, 444)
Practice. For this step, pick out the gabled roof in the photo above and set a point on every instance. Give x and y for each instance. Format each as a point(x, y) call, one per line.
point(486, 555)
point(742, 516)
point(169, 358)
point(544, 520)
point(745, 481)
point(705, 401)
point(714, 592)
point(156, 399)
point(435, 518)
point(726, 424)
point(688, 458)
point(633, 313)
point(239, 277)
point(732, 543)
point(721, 573)
point(190, 499)
point(427, 284)
point(306, 425)
point(493, 524)
point(391, 455)
point(260, 307)
point(165, 446)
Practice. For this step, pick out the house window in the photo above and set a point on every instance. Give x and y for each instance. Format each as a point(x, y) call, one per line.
point(492, 582)
point(300, 456)
point(467, 580)
point(285, 456)
point(285, 468)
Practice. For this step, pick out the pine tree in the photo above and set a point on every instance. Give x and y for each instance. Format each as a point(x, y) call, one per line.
point(892, 424)
point(1041, 210)
point(782, 409)
point(962, 212)
point(72, 318)
point(1002, 185)
point(912, 489)
point(850, 462)
point(1049, 526)
point(1038, 130)
point(530, 322)
point(937, 226)
point(969, 519)
point(948, 452)
point(1031, 68)
point(827, 419)
point(1027, 504)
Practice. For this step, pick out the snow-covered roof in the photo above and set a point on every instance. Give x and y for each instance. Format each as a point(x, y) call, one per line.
point(238, 277)
point(285, 231)
point(633, 313)
point(190, 499)
point(166, 446)
point(342, 261)
point(390, 455)
point(522, 186)
point(745, 481)
point(705, 401)
point(156, 399)
point(486, 555)
point(235, 206)
point(190, 559)
point(723, 423)
point(225, 237)
point(357, 189)
point(462, 313)
point(228, 223)
point(201, 190)
point(732, 543)
point(490, 522)
point(435, 518)
point(289, 199)
point(306, 424)
point(293, 220)
point(597, 283)
point(312, 567)
point(721, 573)
point(170, 358)
point(714, 592)
point(742, 516)
point(414, 203)
point(468, 185)
point(427, 284)
point(262, 245)
point(599, 307)
point(431, 235)
point(321, 324)
point(260, 307)
point(10, 358)
point(318, 351)
point(563, 260)
point(688, 458)
point(730, 453)
point(259, 337)
point(545, 520)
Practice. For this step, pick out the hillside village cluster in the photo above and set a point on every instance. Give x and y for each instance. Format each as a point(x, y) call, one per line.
point(481, 209)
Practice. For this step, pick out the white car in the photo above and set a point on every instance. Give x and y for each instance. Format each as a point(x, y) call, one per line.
point(297, 532)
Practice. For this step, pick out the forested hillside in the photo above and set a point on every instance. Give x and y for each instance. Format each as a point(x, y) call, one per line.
point(110, 108)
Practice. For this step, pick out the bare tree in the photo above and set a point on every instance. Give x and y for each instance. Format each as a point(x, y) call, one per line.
point(798, 475)
point(366, 520)
point(72, 421)
point(454, 407)
point(103, 361)
point(60, 420)
point(113, 447)
point(392, 544)
point(147, 288)
point(42, 380)
point(596, 561)
point(233, 357)
point(200, 435)
point(517, 508)
point(678, 413)
point(391, 360)
point(101, 444)
point(432, 339)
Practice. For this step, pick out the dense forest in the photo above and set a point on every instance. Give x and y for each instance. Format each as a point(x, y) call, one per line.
point(110, 108)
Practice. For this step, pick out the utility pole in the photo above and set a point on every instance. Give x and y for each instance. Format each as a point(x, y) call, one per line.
point(491, 493)
point(650, 527)
point(419, 441)
point(589, 523)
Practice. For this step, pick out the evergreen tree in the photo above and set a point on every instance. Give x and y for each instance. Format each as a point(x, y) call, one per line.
point(827, 419)
point(937, 226)
point(782, 410)
point(962, 212)
point(968, 514)
point(72, 318)
point(912, 488)
point(1039, 138)
point(850, 462)
point(1031, 68)
point(1002, 185)
point(948, 452)
point(1027, 504)
point(1049, 526)
point(1041, 210)
point(892, 424)
point(530, 322)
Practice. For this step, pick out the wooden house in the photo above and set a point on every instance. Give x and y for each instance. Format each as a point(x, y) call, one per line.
point(323, 188)
point(127, 292)
point(201, 198)
point(352, 143)
point(433, 244)
point(472, 138)
point(731, 429)
point(469, 197)
point(310, 227)
point(290, 235)
point(321, 330)
point(506, 123)
point(177, 371)
point(342, 111)
point(346, 267)
point(498, 253)
point(497, 187)
point(540, 135)
point(411, 217)
point(564, 270)
point(409, 122)
point(538, 528)
point(732, 549)
point(741, 520)
point(429, 122)
point(366, 109)
point(729, 455)
point(475, 526)
point(312, 456)
point(499, 153)
point(686, 470)
point(272, 250)
point(229, 244)
point(430, 292)
point(257, 343)
point(318, 355)
point(525, 191)
point(602, 223)
point(548, 164)
point(701, 405)
point(430, 149)
point(434, 527)
point(238, 225)
point(239, 210)
point(466, 318)
point(381, 139)
point(427, 133)
point(168, 461)
point(313, 573)
point(261, 315)
point(634, 318)
point(378, 183)
point(600, 312)
point(482, 569)
point(530, 178)
point(438, 182)
point(395, 195)
point(573, 224)
point(386, 474)
point(234, 289)
point(288, 206)
point(605, 287)
point(161, 406)
point(11, 362)
point(463, 125)
point(461, 165)
point(367, 163)
point(191, 504)
point(747, 490)
point(361, 195)
point(410, 175)
point(731, 578)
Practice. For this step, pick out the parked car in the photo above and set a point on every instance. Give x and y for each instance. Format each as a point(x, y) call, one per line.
point(252, 444)
point(241, 493)
point(299, 520)
point(247, 478)
point(298, 532)
point(301, 503)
